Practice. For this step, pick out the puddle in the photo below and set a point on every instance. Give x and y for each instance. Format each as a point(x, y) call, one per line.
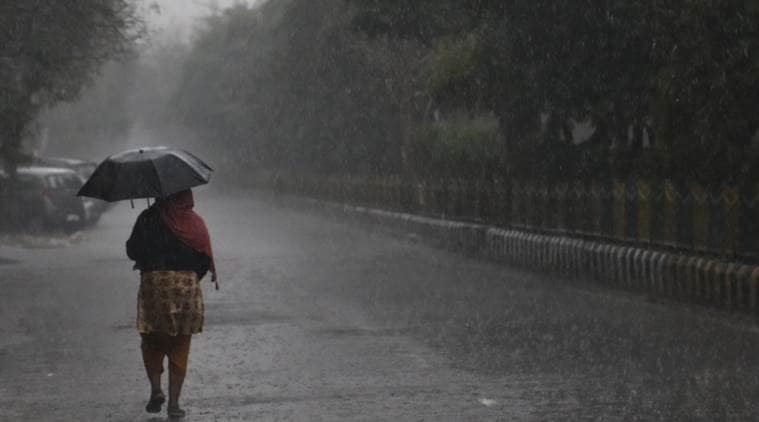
point(487, 402)
point(358, 332)
point(8, 261)
point(110, 260)
point(9, 340)
point(42, 241)
point(220, 315)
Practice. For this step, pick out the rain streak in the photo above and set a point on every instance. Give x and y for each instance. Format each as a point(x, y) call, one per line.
point(379, 210)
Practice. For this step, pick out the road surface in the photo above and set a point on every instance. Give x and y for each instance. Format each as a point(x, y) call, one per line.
point(319, 320)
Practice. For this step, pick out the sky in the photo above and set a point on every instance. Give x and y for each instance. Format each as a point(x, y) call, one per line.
point(179, 16)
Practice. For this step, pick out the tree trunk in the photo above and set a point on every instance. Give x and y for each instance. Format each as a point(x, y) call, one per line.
point(11, 136)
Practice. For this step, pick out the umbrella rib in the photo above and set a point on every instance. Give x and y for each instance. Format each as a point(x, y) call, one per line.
point(158, 178)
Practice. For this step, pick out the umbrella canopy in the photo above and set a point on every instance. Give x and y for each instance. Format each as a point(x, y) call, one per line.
point(155, 172)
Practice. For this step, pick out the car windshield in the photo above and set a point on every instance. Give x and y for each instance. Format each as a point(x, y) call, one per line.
point(70, 182)
point(62, 181)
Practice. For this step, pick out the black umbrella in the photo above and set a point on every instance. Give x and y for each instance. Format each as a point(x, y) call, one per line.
point(155, 172)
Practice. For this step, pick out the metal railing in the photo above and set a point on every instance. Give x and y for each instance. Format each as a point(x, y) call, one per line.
point(719, 221)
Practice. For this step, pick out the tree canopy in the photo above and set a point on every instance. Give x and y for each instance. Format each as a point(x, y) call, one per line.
point(290, 85)
point(546, 89)
point(676, 76)
point(49, 50)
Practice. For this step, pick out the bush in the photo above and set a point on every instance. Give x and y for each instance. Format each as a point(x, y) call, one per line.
point(459, 147)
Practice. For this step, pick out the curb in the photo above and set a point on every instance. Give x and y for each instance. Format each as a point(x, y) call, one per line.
point(682, 277)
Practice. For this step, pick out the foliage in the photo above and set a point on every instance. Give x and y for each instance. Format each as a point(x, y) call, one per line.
point(289, 85)
point(101, 113)
point(420, 88)
point(49, 50)
point(675, 75)
point(459, 147)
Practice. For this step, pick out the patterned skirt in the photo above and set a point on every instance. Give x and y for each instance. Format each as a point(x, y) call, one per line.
point(170, 302)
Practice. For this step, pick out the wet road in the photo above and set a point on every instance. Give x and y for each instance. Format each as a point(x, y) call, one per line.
point(323, 321)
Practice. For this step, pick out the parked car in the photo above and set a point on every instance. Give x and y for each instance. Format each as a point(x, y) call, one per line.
point(46, 198)
point(81, 167)
point(84, 169)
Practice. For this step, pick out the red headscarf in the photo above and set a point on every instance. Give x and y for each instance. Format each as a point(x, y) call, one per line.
point(186, 224)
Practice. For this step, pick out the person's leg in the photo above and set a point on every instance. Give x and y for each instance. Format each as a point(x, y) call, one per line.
point(153, 352)
point(178, 355)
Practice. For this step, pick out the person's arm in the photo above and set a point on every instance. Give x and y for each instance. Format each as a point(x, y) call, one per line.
point(203, 264)
point(135, 245)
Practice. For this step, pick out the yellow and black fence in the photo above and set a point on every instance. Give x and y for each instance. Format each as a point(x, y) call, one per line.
point(681, 241)
point(716, 221)
point(688, 216)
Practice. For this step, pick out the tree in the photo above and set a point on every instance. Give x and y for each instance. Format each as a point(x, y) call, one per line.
point(89, 126)
point(49, 50)
point(678, 75)
point(662, 88)
point(289, 85)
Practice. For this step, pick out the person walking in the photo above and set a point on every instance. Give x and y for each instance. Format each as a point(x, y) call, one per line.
point(171, 248)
